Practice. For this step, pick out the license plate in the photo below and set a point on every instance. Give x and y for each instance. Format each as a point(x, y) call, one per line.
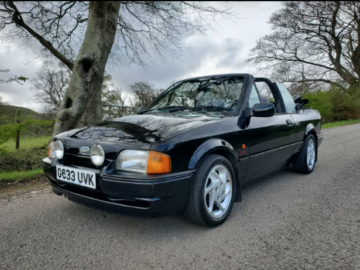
point(75, 176)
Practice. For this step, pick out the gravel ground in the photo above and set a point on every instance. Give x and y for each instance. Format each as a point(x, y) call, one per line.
point(286, 221)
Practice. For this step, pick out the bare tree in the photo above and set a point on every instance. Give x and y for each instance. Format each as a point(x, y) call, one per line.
point(313, 43)
point(110, 100)
point(50, 85)
point(142, 29)
point(143, 93)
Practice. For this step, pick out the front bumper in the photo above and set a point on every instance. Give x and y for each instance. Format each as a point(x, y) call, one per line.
point(149, 196)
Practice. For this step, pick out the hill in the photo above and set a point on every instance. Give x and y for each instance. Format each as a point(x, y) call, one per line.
point(9, 112)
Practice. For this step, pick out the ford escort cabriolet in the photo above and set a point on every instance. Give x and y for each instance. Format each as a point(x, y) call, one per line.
point(191, 150)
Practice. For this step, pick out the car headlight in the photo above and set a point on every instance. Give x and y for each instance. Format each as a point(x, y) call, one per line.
point(51, 152)
point(97, 155)
point(132, 160)
point(59, 149)
point(150, 162)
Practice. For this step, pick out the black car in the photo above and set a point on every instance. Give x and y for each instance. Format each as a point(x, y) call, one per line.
point(191, 150)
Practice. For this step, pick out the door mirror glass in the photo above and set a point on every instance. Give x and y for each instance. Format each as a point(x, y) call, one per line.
point(263, 110)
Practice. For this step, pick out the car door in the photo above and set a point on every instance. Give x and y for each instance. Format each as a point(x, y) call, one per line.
point(270, 140)
point(301, 117)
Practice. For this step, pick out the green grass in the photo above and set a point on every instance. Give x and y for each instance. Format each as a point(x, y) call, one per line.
point(27, 143)
point(19, 175)
point(340, 123)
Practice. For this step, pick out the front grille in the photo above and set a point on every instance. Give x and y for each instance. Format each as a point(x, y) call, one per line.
point(83, 161)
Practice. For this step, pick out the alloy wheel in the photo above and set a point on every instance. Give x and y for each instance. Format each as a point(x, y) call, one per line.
point(218, 191)
point(310, 156)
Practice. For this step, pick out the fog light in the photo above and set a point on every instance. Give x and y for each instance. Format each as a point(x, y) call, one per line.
point(97, 155)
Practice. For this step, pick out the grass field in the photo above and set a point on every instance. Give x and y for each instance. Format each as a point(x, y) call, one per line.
point(340, 123)
point(20, 175)
point(27, 143)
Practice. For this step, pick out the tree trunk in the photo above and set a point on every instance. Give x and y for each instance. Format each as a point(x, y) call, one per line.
point(81, 105)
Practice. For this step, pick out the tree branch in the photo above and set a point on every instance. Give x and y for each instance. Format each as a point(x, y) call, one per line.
point(17, 18)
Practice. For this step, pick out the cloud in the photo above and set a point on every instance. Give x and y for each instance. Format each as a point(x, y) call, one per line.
point(20, 63)
point(223, 49)
point(203, 55)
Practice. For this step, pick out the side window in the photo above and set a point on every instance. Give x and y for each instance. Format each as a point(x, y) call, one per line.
point(288, 100)
point(254, 97)
point(264, 91)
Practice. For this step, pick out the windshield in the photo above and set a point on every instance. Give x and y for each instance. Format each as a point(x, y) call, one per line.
point(208, 94)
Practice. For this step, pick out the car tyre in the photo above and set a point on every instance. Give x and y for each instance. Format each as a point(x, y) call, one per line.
point(305, 162)
point(212, 195)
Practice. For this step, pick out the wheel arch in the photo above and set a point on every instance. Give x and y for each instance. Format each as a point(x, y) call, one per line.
point(309, 127)
point(219, 147)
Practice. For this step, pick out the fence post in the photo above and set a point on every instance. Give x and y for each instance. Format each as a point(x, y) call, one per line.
point(18, 114)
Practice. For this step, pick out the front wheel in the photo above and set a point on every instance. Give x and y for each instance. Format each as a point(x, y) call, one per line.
point(212, 195)
point(305, 162)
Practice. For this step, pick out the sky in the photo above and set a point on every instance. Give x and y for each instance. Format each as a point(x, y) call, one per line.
point(224, 49)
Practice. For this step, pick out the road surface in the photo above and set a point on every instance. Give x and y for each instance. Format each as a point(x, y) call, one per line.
point(287, 221)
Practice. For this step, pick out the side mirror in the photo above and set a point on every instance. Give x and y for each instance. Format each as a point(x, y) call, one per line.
point(140, 109)
point(263, 110)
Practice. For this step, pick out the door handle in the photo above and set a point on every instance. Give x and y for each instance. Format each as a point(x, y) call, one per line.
point(289, 122)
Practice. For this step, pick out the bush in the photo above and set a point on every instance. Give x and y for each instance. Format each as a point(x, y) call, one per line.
point(7, 132)
point(345, 105)
point(322, 102)
point(336, 104)
point(22, 159)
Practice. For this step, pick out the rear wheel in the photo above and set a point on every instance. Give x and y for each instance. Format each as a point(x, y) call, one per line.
point(212, 195)
point(305, 162)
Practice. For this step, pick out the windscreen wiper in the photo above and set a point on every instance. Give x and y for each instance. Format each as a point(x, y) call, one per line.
point(170, 108)
point(218, 107)
point(174, 108)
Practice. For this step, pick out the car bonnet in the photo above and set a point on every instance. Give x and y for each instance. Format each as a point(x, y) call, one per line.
point(143, 128)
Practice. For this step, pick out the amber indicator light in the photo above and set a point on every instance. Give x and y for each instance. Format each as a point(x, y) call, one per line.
point(158, 163)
